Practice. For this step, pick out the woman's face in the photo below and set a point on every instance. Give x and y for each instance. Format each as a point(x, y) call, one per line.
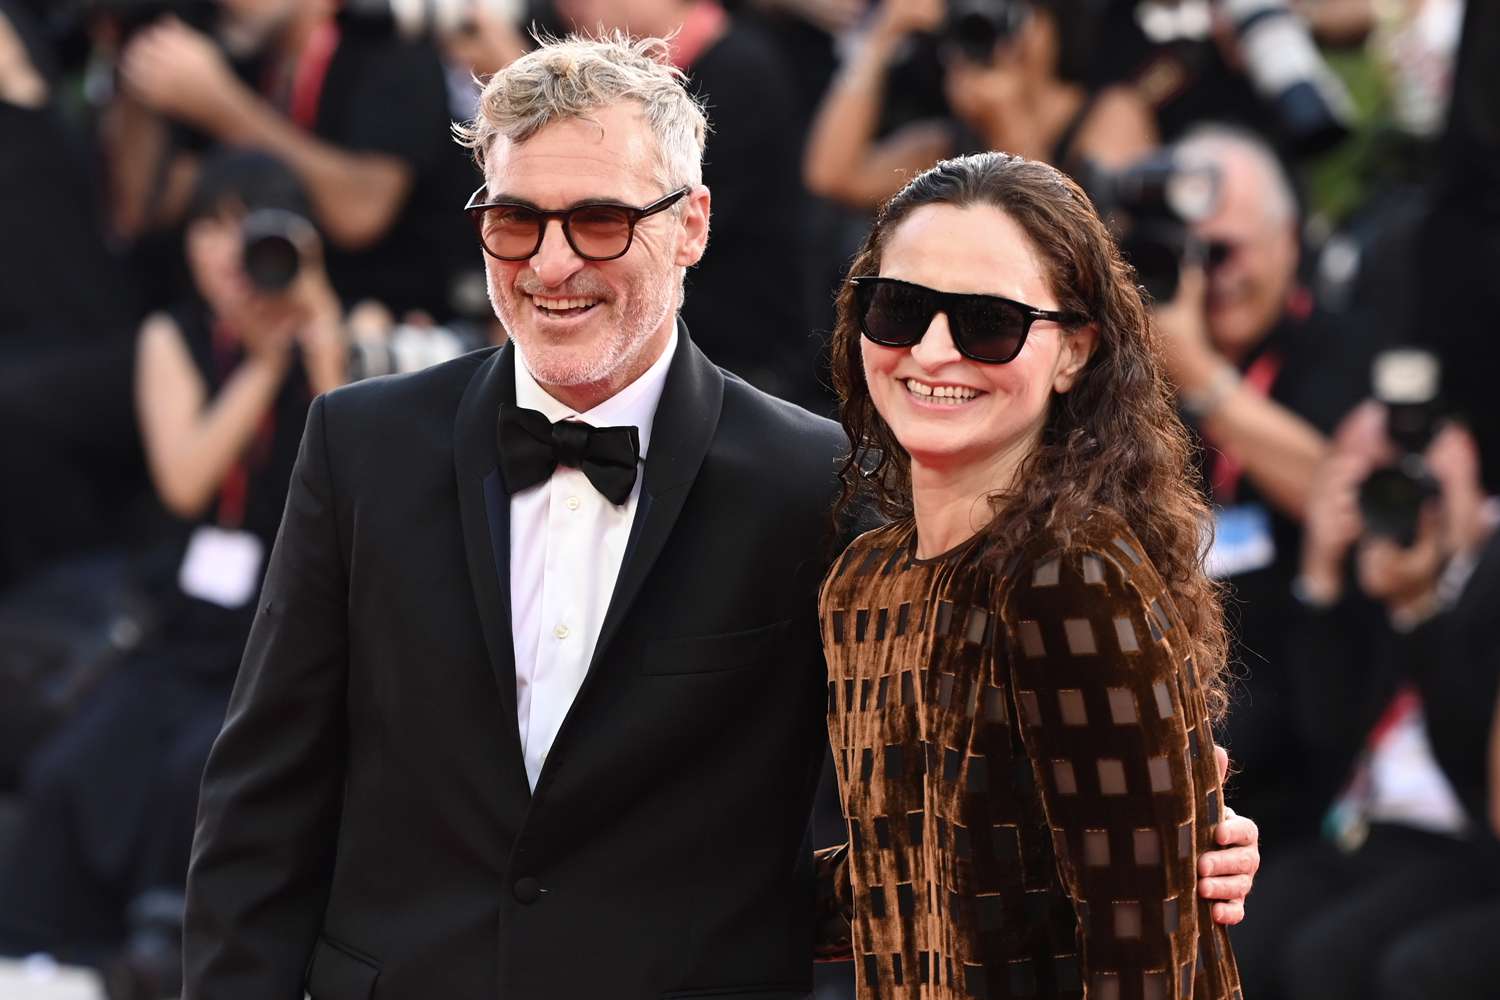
point(992, 414)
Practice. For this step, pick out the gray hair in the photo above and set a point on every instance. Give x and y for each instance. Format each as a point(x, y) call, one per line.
point(1215, 142)
point(571, 77)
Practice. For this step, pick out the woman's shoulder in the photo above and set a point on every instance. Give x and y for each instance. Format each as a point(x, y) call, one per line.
point(885, 540)
point(1101, 547)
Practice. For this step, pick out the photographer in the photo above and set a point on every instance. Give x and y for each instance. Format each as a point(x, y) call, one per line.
point(1003, 76)
point(1263, 376)
point(1397, 665)
point(359, 115)
point(223, 382)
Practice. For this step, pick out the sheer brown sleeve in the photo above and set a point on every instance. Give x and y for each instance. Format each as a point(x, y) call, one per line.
point(1114, 725)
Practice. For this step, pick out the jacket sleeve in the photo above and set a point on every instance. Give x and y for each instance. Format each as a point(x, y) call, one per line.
point(1113, 722)
point(269, 809)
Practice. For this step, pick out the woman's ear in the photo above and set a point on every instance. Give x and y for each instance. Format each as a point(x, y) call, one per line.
point(1076, 347)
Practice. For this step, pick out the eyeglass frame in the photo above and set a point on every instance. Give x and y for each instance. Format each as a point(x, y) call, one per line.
point(633, 216)
point(1030, 312)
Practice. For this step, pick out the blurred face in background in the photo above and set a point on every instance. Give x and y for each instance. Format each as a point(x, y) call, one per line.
point(944, 409)
point(580, 323)
point(215, 254)
point(638, 17)
point(1248, 291)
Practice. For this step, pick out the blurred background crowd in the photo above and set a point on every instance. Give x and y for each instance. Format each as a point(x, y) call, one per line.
point(213, 210)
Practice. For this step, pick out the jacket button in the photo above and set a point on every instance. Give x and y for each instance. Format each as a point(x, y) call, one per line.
point(527, 890)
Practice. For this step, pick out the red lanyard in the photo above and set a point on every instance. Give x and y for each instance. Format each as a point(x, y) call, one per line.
point(234, 491)
point(309, 76)
point(1225, 471)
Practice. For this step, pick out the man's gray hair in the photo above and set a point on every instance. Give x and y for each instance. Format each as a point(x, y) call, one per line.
point(1213, 142)
point(575, 76)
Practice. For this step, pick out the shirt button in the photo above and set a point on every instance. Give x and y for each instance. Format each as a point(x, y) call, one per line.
point(527, 890)
point(561, 631)
point(572, 503)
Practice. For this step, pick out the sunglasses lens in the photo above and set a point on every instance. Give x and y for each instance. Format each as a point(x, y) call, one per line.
point(600, 231)
point(988, 329)
point(510, 231)
point(894, 315)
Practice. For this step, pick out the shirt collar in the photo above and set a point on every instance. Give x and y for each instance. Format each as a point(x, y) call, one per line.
point(634, 405)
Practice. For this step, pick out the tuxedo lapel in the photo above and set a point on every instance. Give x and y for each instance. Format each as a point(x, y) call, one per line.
point(686, 419)
point(484, 508)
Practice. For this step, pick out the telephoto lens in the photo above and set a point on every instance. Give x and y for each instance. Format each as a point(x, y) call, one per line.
point(1311, 103)
point(272, 240)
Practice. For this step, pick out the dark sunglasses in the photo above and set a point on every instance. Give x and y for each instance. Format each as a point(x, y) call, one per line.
point(985, 328)
point(595, 231)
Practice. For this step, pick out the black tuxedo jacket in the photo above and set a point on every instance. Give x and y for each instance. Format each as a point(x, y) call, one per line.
point(365, 827)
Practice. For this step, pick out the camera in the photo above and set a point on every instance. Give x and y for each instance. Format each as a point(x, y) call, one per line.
point(1152, 206)
point(415, 19)
point(1288, 71)
point(1391, 498)
point(272, 240)
point(974, 27)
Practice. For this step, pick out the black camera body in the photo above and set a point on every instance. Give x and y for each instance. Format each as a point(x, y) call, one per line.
point(975, 27)
point(1151, 206)
point(1392, 497)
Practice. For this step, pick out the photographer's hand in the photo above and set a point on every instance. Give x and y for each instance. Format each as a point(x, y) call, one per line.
point(181, 73)
point(1332, 525)
point(1182, 332)
point(1453, 458)
point(1278, 449)
point(321, 333)
point(843, 160)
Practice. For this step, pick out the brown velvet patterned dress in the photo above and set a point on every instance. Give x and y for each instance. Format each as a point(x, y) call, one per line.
point(1027, 772)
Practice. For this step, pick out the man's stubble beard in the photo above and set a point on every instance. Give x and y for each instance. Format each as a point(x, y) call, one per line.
point(652, 302)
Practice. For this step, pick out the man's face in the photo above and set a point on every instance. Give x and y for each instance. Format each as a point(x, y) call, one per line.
point(1247, 292)
point(589, 328)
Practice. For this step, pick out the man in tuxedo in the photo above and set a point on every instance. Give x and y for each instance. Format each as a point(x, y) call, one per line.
point(514, 720)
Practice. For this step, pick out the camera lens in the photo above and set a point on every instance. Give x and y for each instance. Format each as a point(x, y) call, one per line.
point(271, 256)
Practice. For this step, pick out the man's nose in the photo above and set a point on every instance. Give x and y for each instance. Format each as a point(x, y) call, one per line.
point(555, 260)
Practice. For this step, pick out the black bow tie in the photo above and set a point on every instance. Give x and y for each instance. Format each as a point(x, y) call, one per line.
point(531, 446)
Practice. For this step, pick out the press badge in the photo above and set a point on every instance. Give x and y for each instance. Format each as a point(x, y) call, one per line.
point(1242, 541)
point(221, 567)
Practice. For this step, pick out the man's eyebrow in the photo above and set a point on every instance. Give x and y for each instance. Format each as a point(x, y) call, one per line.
point(510, 199)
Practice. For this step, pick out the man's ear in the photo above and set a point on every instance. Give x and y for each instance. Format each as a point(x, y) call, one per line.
point(1076, 347)
point(694, 223)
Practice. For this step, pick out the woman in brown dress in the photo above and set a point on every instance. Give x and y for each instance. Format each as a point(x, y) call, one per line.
point(1025, 660)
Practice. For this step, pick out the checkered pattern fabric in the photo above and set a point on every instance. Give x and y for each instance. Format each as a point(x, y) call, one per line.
point(1027, 772)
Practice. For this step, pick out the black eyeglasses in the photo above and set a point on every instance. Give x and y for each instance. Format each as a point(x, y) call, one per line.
point(596, 230)
point(985, 328)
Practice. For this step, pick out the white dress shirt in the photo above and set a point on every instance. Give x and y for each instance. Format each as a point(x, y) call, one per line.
point(566, 545)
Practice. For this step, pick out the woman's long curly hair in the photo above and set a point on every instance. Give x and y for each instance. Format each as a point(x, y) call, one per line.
point(1113, 442)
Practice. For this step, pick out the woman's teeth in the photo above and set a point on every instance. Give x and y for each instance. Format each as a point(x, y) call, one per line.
point(950, 395)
